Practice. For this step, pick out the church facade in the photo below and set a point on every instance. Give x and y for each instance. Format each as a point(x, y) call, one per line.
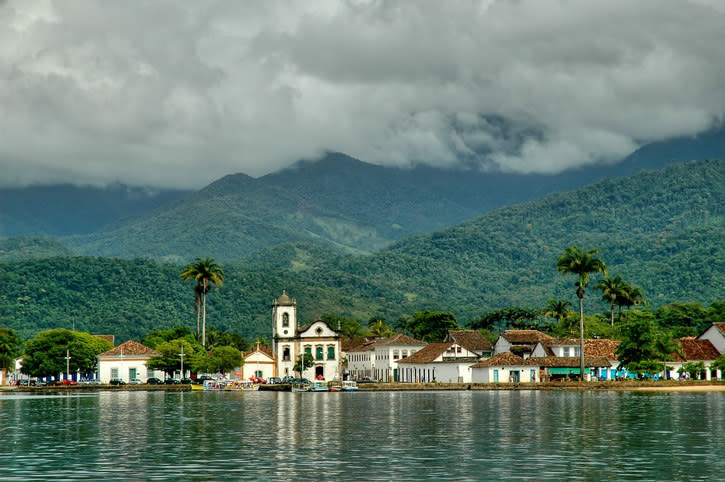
point(290, 341)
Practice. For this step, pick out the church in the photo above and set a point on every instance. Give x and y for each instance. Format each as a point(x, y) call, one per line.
point(290, 341)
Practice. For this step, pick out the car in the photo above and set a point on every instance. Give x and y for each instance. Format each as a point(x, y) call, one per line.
point(288, 379)
point(69, 382)
point(257, 380)
point(135, 381)
point(367, 380)
point(117, 381)
point(172, 381)
point(155, 381)
point(201, 379)
point(274, 380)
point(185, 381)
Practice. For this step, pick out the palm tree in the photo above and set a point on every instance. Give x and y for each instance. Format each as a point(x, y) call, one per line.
point(613, 292)
point(631, 295)
point(581, 263)
point(557, 309)
point(203, 271)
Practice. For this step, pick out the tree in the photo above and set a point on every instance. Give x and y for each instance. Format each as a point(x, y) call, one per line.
point(696, 370)
point(203, 271)
point(304, 361)
point(514, 316)
point(582, 264)
point(169, 361)
point(631, 296)
point(378, 327)
point(613, 291)
point(666, 348)
point(719, 364)
point(430, 325)
point(639, 339)
point(557, 309)
point(45, 354)
point(10, 347)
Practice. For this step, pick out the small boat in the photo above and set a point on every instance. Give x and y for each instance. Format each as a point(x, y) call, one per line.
point(318, 387)
point(348, 386)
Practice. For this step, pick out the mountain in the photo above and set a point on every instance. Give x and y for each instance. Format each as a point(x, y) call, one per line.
point(64, 209)
point(661, 230)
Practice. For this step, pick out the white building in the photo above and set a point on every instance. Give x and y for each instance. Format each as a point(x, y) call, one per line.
point(378, 358)
point(519, 342)
point(716, 334)
point(127, 361)
point(259, 363)
point(290, 341)
point(505, 368)
point(445, 362)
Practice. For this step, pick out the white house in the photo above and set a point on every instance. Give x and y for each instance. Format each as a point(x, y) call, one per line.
point(521, 342)
point(259, 363)
point(378, 358)
point(505, 368)
point(595, 350)
point(290, 341)
point(127, 361)
point(716, 334)
point(446, 362)
point(472, 340)
point(694, 351)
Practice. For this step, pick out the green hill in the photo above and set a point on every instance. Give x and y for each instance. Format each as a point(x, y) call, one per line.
point(662, 230)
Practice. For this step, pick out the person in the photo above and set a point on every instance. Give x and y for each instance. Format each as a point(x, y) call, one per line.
point(319, 377)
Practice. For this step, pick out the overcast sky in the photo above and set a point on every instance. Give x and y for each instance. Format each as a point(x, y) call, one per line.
point(180, 93)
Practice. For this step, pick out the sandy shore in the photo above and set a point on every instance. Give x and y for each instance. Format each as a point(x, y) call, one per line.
point(682, 388)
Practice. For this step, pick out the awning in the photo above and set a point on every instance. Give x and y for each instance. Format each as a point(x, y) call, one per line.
point(567, 371)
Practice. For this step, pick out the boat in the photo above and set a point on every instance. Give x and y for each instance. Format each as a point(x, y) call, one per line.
point(348, 386)
point(300, 387)
point(318, 387)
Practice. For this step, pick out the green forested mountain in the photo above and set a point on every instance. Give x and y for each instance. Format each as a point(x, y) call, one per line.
point(662, 230)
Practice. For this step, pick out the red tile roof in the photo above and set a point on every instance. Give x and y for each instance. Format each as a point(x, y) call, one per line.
point(130, 348)
point(399, 339)
point(720, 327)
point(525, 336)
point(428, 353)
point(601, 347)
point(569, 361)
point(470, 339)
point(503, 359)
point(698, 350)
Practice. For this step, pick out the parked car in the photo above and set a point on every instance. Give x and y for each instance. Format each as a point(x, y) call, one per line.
point(256, 380)
point(69, 382)
point(172, 381)
point(155, 381)
point(274, 380)
point(135, 381)
point(201, 379)
point(288, 379)
point(185, 381)
point(367, 380)
point(117, 381)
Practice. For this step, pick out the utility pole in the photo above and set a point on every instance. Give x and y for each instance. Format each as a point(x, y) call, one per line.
point(67, 363)
point(182, 355)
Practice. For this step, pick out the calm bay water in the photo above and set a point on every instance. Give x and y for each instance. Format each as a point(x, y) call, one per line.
point(477, 435)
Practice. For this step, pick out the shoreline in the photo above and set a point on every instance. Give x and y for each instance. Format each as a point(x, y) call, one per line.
point(627, 385)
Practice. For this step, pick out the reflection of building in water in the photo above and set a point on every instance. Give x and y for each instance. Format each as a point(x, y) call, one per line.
point(291, 341)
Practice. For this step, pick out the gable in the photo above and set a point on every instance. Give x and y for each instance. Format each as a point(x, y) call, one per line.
point(318, 329)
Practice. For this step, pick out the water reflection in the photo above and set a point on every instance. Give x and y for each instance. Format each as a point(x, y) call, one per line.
point(371, 436)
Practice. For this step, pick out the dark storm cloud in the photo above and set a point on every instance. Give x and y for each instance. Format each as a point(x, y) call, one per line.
point(181, 93)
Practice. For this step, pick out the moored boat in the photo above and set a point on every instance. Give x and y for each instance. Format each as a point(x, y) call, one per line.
point(348, 386)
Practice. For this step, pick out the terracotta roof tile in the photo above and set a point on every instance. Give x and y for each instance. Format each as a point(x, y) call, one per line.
point(720, 327)
point(525, 336)
point(569, 361)
point(601, 347)
point(130, 348)
point(428, 353)
point(470, 339)
point(698, 350)
point(502, 359)
point(399, 339)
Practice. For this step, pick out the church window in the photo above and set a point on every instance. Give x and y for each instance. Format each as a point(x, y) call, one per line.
point(330, 352)
point(285, 354)
point(308, 350)
point(285, 319)
point(318, 353)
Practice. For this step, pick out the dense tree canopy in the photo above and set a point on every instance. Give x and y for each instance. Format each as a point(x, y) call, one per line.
point(10, 348)
point(45, 354)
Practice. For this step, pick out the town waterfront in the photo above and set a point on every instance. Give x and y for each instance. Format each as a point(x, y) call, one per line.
point(464, 435)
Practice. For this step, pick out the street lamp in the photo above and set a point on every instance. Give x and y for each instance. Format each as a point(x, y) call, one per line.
point(67, 363)
point(182, 355)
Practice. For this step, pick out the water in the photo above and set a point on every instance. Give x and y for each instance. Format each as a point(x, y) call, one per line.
point(468, 435)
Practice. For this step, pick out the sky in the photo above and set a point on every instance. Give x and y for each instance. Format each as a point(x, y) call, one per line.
point(180, 93)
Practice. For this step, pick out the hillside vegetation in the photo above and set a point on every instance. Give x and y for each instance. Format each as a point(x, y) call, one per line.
point(662, 230)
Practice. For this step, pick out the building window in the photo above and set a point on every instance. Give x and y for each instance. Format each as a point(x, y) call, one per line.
point(308, 350)
point(131, 373)
point(405, 353)
point(285, 319)
point(330, 352)
point(285, 354)
point(114, 372)
point(258, 374)
point(395, 355)
point(318, 353)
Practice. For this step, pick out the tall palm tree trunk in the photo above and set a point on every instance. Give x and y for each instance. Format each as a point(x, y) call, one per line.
point(580, 295)
point(203, 316)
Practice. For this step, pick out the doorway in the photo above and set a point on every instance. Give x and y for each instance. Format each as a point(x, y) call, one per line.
point(319, 373)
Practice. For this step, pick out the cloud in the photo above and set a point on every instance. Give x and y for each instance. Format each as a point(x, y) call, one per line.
point(179, 94)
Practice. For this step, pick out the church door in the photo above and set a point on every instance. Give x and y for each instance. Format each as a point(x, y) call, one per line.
point(319, 373)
